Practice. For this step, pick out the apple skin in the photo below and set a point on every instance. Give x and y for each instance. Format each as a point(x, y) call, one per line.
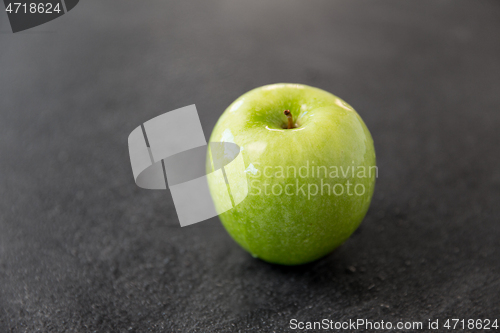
point(295, 229)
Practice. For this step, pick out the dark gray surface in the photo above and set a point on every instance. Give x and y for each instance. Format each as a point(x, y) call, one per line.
point(83, 249)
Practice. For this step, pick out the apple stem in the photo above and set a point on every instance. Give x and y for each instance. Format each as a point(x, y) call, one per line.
point(288, 114)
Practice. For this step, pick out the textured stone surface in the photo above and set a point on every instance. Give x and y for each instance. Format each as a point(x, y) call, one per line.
point(83, 249)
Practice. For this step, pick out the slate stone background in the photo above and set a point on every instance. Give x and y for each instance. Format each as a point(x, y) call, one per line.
point(82, 249)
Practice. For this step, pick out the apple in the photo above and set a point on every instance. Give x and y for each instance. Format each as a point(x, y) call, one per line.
point(310, 169)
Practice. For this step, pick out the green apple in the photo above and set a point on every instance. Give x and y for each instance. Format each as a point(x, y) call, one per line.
point(310, 169)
